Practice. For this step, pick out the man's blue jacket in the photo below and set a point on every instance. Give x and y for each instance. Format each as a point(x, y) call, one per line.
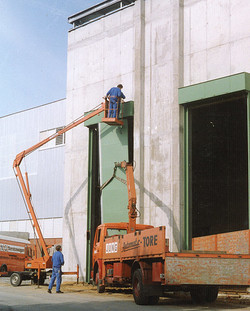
point(57, 259)
point(114, 93)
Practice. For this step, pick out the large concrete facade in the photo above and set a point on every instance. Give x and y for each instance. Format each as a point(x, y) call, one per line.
point(152, 47)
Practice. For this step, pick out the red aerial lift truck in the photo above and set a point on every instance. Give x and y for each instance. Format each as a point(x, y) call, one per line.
point(36, 268)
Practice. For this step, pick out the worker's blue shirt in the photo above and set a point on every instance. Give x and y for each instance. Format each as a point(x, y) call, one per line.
point(114, 93)
point(57, 259)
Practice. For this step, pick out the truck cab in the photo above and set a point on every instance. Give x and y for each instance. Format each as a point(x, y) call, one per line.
point(103, 232)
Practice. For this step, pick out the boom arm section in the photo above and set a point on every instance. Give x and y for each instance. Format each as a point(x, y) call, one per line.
point(24, 153)
point(132, 214)
point(25, 186)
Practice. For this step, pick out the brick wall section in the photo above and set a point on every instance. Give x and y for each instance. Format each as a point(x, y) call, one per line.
point(237, 242)
point(48, 241)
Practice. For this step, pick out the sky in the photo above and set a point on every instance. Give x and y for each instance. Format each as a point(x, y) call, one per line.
point(33, 51)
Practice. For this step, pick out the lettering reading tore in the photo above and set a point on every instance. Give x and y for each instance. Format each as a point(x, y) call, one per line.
point(111, 247)
point(150, 240)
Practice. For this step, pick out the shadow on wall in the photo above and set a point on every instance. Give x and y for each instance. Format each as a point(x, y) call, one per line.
point(159, 203)
point(70, 227)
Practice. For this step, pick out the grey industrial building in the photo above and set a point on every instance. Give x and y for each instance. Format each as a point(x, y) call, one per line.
point(184, 66)
point(45, 167)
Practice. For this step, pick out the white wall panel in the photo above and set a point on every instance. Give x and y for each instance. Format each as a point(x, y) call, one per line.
point(45, 167)
point(216, 39)
point(51, 228)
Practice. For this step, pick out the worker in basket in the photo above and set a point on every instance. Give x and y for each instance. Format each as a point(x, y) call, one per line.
point(115, 94)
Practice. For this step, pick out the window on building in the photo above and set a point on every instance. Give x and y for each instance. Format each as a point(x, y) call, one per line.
point(59, 140)
point(98, 11)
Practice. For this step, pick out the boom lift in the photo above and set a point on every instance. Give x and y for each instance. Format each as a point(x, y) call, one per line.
point(36, 267)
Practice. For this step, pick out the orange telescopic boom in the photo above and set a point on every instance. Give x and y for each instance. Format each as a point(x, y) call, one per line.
point(132, 214)
point(45, 261)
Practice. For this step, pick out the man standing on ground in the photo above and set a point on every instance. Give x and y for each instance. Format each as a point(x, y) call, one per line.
point(115, 94)
point(58, 262)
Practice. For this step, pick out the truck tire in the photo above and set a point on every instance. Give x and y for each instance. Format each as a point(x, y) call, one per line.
point(15, 279)
point(100, 288)
point(212, 293)
point(138, 289)
point(204, 294)
point(153, 300)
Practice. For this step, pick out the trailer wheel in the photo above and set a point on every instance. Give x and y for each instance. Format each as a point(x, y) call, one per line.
point(3, 268)
point(100, 288)
point(137, 283)
point(34, 280)
point(204, 294)
point(15, 279)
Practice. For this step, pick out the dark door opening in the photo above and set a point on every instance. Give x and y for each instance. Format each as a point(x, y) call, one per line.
point(94, 201)
point(130, 139)
point(95, 193)
point(218, 167)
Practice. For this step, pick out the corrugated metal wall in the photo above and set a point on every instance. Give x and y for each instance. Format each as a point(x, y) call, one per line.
point(18, 132)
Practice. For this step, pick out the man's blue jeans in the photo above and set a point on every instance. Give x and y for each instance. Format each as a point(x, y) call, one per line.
point(112, 109)
point(56, 274)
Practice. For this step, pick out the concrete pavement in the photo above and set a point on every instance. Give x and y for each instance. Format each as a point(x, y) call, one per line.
point(78, 297)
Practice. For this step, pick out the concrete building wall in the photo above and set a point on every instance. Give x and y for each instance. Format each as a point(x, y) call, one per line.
point(45, 167)
point(157, 120)
point(216, 39)
point(100, 55)
point(152, 47)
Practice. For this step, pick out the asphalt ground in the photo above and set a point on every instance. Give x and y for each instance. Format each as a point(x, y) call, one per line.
point(75, 297)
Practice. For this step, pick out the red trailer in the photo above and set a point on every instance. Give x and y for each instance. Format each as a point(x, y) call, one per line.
point(13, 253)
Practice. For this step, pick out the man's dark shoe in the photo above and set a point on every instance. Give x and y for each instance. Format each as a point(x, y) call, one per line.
point(49, 291)
point(59, 292)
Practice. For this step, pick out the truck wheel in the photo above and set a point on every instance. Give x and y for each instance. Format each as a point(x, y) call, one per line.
point(204, 294)
point(15, 279)
point(139, 296)
point(153, 300)
point(100, 288)
point(212, 293)
point(198, 295)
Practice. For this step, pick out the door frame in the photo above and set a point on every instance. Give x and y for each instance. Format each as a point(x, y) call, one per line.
point(201, 93)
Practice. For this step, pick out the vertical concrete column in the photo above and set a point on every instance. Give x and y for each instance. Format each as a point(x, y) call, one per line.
point(139, 85)
point(183, 220)
point(177, 164)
